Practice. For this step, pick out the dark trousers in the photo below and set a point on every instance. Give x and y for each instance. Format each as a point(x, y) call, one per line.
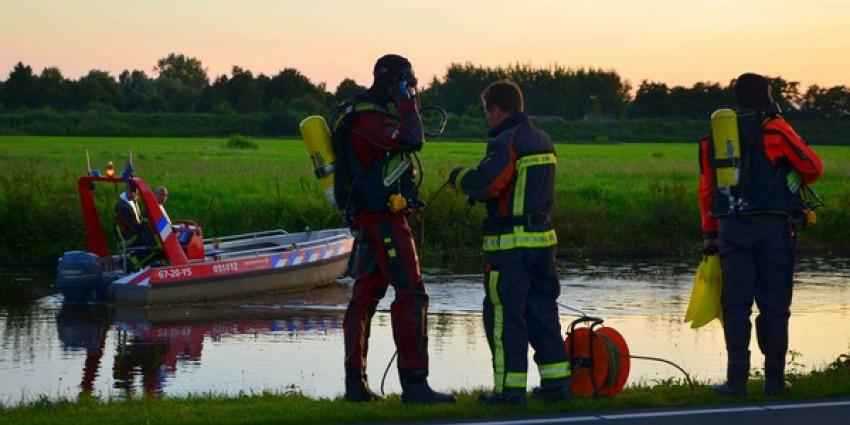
point(520, 307)
point(385, 254)
point(142, 248)
point(757, 257)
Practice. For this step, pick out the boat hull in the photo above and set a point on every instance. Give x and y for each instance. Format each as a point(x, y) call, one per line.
point(295, 279)
point(244, 267)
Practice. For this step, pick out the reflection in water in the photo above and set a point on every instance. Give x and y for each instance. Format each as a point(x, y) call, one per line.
point(148, 351)
point(295, 343)
point(83, 327)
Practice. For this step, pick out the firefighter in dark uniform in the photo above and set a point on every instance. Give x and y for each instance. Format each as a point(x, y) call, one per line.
point(516, 181)
point(374, 137)
point(752, 228)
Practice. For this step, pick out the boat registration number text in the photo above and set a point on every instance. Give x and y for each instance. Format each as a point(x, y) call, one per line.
point(225, 268)
point(174, 273)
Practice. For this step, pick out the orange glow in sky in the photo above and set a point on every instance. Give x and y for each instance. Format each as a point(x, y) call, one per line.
point(677, 42)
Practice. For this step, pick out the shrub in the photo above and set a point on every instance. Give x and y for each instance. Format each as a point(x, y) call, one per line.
point(238, 141)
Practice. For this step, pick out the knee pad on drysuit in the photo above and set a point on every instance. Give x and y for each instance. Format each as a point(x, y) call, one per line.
point(363, 260)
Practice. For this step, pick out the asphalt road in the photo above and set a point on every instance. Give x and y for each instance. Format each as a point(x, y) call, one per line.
point(833, 412)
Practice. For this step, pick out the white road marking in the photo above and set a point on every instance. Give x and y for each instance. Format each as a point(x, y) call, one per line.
point(687, 412)
point(695, 412)
point(539, 421)
point(807, 405)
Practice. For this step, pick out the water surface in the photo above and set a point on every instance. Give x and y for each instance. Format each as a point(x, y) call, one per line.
point(294, 342)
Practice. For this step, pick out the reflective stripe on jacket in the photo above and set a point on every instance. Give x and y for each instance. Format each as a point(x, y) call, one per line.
point(516, 180)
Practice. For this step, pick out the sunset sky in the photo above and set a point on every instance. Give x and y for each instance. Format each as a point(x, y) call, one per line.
point(675, 41)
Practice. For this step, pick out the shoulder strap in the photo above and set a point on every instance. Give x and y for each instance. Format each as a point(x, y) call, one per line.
point(350, 110)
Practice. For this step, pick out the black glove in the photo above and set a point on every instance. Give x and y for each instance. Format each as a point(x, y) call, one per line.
point(403, 88)
point(453, 177)
point(710, 246)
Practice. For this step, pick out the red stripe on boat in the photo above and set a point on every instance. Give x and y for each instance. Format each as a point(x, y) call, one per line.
point(139, 278)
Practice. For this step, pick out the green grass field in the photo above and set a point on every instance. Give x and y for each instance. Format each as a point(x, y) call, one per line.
point(611, 199)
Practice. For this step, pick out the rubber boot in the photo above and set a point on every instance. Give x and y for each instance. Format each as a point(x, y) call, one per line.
point(415, 388)
point(553, 393)
point(774, 377)
point(737, 370)
point(508, 398)
point(357, 387)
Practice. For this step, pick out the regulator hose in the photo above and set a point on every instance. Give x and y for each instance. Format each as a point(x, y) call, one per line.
point(659, 359)
point(613, 358)
point(384, 378)
point(614, 354)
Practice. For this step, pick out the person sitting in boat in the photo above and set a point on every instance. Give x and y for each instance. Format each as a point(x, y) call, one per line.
point(162, 196)
point(184, 233)
point(136, 235)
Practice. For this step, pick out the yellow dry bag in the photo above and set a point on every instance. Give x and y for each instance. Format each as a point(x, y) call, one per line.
point(704, 305)
point(317, 140)
point(727, 148)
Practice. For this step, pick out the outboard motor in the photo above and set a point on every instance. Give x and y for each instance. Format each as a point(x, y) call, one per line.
point(81, 278)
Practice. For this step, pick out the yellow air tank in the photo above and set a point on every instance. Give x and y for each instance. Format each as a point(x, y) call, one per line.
point(317, 140)
point(727, 148)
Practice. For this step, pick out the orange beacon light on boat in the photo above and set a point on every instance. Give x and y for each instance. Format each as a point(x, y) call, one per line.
point(110, 169)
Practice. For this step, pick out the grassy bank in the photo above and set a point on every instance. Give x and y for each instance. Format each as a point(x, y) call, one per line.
point(611, 199)
point(832, 381)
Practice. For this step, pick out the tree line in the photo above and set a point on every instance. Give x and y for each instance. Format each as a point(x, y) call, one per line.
point(182, 85)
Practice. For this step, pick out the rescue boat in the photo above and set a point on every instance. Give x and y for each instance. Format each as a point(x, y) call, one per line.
point(191, 268)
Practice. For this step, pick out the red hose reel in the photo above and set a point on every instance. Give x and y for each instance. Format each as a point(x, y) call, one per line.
point(599, 357)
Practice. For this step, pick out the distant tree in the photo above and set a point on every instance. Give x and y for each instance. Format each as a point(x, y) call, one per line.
point(786, 94)
point(827, 103)
point(430, 93)
point(181, 81)
point(97, 89)
point(188, 70)
point(20, 89)
point(214, 96)
point(651, 100)
point(461, 86)
point(548, 91)
point(182, 86)
point(600, 92)
point(243, 92)
point(138, 92)
point(54, 90)
point(288, 85)
point(346, 89)
point(706, 97)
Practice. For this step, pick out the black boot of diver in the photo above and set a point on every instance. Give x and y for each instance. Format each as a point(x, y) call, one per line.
point(415, 388)
point(553, 393)
point(730, 389)
point(507, 398)
point(737, 371)
point(357, 387)
point(774, 376)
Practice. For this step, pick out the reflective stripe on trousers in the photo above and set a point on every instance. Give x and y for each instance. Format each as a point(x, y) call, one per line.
point(501, 379)
point(498, 328)
point(554, 370)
